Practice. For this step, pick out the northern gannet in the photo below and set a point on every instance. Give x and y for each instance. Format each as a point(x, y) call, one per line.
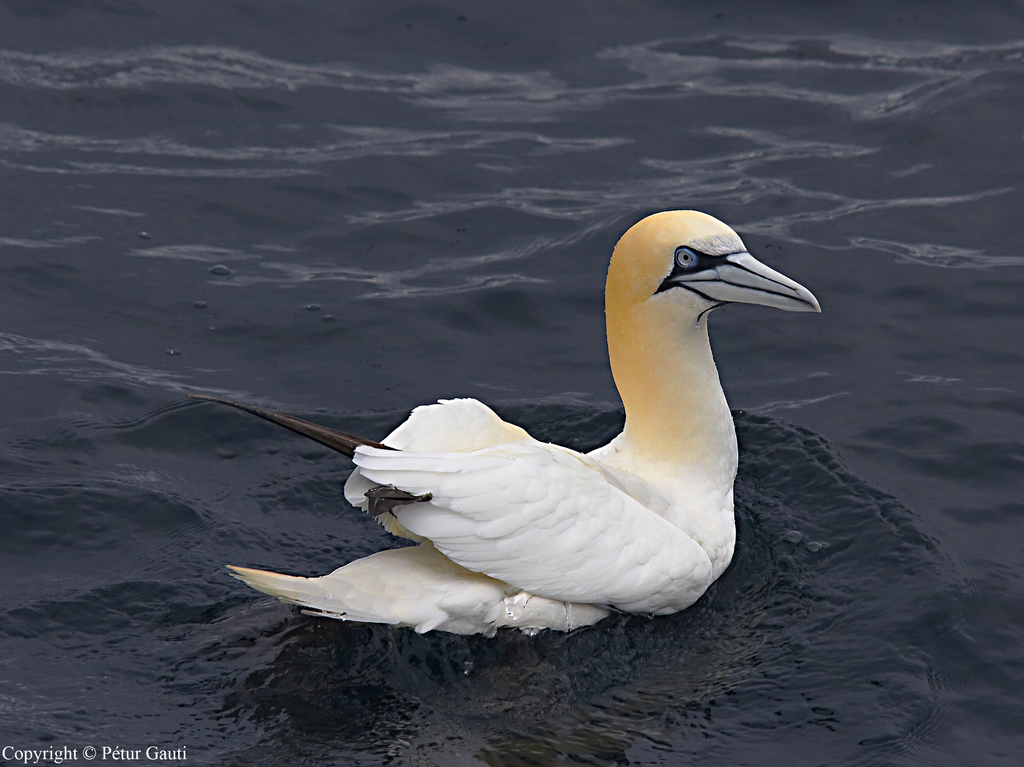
point(519, 533)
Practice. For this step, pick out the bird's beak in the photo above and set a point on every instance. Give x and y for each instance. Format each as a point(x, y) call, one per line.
point(741, 279)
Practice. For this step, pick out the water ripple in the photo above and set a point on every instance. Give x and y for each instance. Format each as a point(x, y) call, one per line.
point(931, 254)
point(396, 283)
point(208, 65)
point(738, 177)
point(47, 242)
point(698, 183)
point(404, 283)
point(846, 72)
point(72, 168)
point(798, 404)
point(110, 211)
point(845, 206)
point(355, 141)
point(79, 362)
point(349, 142)
point(817, 71)
point(209, 254)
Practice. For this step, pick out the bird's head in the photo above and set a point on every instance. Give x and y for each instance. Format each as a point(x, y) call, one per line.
point(693, 258)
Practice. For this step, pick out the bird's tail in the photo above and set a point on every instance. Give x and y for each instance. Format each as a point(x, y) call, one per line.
point(421, 588)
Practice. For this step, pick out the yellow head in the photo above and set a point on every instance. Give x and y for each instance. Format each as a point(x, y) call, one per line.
point(645, 254)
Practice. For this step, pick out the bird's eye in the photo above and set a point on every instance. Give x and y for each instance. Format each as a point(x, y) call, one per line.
point(685, 258)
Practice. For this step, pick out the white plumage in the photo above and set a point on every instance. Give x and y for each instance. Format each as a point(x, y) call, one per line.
point(542, 517)
point(532, 535)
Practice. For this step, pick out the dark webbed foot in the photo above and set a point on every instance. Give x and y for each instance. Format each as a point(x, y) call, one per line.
point(384, 498)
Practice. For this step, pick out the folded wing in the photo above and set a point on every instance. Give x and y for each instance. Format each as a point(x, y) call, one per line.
point(543, 519)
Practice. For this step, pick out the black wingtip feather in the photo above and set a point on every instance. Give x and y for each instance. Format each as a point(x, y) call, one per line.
point(343, 442)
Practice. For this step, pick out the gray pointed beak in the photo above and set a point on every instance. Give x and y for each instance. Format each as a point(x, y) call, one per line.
point(739, 278)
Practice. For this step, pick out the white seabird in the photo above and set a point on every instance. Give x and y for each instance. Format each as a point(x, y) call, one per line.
point(515, 532)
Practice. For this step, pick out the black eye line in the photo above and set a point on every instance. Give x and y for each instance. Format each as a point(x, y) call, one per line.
point(709, 255)
point(699, 264)
point(699, 255)
point(668, 283)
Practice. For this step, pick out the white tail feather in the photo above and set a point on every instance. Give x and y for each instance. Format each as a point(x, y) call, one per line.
point(419, 587)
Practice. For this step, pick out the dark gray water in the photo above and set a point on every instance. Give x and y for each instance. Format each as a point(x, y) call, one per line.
point(346, 210)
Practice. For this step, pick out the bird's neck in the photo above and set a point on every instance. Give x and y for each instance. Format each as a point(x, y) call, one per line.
point(676, 412)
point(679, 435)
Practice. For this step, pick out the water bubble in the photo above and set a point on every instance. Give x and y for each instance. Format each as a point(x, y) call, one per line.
point(220, 269)
point(173, 352)
point(312, 307)
point(793, 537)
point(143, 235)
point(328, 318)
point(200, 304)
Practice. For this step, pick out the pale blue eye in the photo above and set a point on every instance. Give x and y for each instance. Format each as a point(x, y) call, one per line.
point(685, 258)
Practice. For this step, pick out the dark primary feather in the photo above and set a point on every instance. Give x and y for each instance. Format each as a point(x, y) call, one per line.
point(336, 440)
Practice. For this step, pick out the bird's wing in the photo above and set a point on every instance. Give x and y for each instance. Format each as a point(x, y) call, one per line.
point(547, 520)
point(451, 425)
